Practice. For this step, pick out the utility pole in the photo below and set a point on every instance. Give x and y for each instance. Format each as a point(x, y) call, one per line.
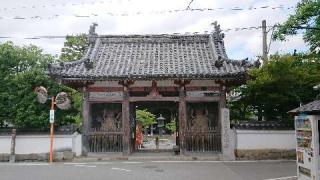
point(264, 42)
point(51, 129)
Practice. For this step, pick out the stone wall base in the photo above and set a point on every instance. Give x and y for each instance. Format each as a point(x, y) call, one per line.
point(57, 157)
point(265, 154)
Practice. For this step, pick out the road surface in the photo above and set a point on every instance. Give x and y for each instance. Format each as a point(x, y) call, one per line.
point(151, 170)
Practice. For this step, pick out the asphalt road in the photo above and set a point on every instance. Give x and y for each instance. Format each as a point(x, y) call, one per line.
point(151, 170)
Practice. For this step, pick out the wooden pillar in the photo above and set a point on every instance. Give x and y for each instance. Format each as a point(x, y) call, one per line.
point(222, 102)
point(85, 121)
point(126, 118)
point(182, 114)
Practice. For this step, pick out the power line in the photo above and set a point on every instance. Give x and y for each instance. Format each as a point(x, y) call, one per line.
point(63, 36)
point(137, 13)
point(188, 7)
point(55, 5)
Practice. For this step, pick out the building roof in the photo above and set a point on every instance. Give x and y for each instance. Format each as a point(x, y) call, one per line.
point(310, 108)
point(175, 56)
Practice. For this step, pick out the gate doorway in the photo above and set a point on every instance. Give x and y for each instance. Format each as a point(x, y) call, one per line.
point(156, 136)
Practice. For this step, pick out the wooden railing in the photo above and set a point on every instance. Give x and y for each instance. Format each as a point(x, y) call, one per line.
point(102, 141)
point(203, 141)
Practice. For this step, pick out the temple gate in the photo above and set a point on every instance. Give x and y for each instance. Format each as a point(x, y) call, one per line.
point(189, 72)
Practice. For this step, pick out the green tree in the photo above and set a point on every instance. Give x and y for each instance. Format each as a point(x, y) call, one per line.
point(146, 118)
point(306, 17)
point(74, 47)
point(21, 70)
point(171, 126)
point(281, 85)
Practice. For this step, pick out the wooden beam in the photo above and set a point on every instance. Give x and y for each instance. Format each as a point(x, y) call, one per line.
point(148, 89)
point(203, 99)
point(153, 98)
point(107, 99)
point(182, 82)
point(182, 116)
point(222, 96)
point(85, 121)
point(154, 90)
point(126, 119)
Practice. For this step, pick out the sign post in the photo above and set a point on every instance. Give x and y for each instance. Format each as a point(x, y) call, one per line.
point(51, 119)
point(61, 101)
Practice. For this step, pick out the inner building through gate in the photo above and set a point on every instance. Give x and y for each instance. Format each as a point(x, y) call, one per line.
point(180, 78)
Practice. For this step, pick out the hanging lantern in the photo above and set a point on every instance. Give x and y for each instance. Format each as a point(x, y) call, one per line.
point(62, 101)
point(42, 94)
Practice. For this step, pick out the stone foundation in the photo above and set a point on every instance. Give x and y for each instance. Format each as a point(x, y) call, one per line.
point(57, 157)
point(265, 154)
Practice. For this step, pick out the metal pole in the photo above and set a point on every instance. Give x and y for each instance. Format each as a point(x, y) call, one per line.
point(264, 42)
point(13, 146)
point(51, 133)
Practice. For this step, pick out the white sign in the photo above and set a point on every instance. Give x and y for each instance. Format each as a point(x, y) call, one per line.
point(51, 117)
point(105, 94)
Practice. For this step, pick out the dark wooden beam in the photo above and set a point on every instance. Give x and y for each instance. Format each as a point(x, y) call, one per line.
point(203, 99)
point(107, 100)
point(126, 117)
point(222, 100)
point(85, 121)
point(182, 82)
point(153, 98)
point(126, 83)
point(182, 115)
point(154, 90)
point(148, 89)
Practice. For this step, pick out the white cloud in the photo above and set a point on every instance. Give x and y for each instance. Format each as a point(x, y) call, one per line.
point(239, 44)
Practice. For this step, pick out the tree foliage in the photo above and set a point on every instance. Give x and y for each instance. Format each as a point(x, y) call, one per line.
point(171, 126)
point(74, 47)
point(279, 86)
point(307, 17)
point(146, 118)
point(21, 70)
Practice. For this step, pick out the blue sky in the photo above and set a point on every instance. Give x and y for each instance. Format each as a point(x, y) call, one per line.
point(56, 17)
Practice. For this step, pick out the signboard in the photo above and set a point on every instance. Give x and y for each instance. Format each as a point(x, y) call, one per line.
point(202, 93)
point(51, 117)
point(307, 147)
point(98, 95)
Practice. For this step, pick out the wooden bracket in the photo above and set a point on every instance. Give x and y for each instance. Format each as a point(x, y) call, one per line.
point(126, 83)
point(182, 82)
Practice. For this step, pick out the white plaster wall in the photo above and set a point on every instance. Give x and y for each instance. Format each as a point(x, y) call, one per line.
point(27, 144)
point(265, 139)
point(5, 144)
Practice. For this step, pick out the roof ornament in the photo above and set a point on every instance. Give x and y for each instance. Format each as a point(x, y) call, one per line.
point(88, 64)
point(217, 30)
point(219, 63)
point(92, 30)
point(244, 62)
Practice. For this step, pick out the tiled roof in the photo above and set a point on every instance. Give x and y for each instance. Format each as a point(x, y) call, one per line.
point(197, 56)
point(310, 108)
